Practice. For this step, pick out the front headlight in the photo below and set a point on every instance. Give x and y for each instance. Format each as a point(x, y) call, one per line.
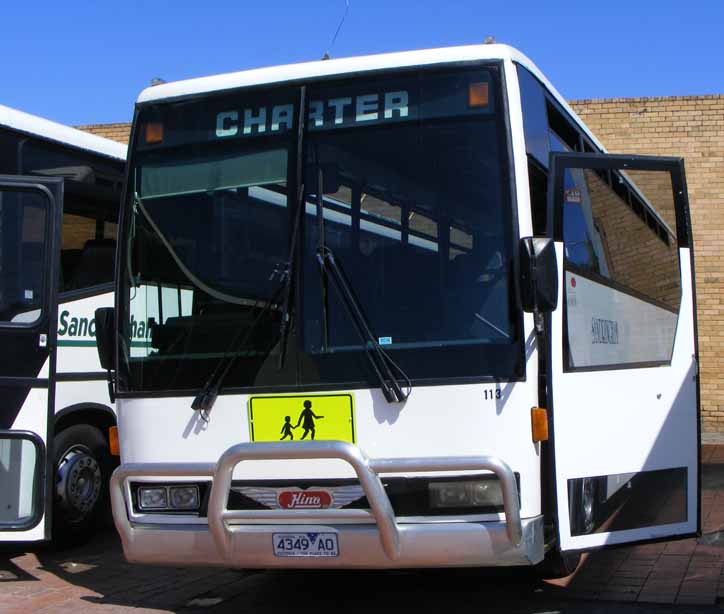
point(169, 498)
point(469, 493)
point(152, 498)
point(184, 497)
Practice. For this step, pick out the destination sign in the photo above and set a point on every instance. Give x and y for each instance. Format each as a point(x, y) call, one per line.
point(268, 112)
point(334, 112)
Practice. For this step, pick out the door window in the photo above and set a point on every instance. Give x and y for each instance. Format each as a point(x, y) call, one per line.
point(20, 468)
point(23, 230)
point(622, 281)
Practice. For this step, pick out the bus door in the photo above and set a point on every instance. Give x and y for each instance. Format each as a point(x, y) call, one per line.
point(30, 222)
point(622, 370)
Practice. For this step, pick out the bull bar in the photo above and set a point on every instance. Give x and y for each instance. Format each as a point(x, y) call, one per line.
point(368, 472)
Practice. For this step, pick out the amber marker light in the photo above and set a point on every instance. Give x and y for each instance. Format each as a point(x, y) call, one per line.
point(113, 441)
point(539, 424)
point(478, 95)
point(154, 133)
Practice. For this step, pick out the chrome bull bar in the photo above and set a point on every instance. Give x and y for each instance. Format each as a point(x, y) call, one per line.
point(368, 473)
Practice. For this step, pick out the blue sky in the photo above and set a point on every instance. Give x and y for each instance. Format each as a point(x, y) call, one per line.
point(85, 62)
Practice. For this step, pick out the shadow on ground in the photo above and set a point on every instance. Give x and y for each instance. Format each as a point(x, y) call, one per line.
point(96, 573)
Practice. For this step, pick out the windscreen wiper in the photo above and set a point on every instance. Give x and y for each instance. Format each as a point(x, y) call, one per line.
point(288, 275)
point(387, 371)
point(290, 270)
point(206, 397)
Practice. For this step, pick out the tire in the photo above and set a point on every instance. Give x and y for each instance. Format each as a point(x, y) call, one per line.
point(584, 511)
point(82, 465)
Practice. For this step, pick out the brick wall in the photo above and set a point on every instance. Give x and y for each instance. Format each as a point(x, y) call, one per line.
point(687, 126)
point(691, 127)
point(115, 132)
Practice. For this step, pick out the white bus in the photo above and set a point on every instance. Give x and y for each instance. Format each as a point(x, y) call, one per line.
point(403, 312)
point(59, 194)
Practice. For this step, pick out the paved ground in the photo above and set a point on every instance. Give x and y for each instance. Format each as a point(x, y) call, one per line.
point(688, 576)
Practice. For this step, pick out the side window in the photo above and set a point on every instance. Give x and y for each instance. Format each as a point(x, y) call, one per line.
point(535, 117)
point(537, 146)
point(87, 256)
point(622, 280)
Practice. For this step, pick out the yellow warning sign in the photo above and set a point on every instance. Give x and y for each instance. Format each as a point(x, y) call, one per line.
point(302, 417)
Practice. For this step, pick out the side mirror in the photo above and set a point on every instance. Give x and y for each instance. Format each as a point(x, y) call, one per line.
point(538, 275)
point(106, 336)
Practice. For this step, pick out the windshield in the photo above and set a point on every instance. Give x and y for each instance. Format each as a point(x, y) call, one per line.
point(416, 209)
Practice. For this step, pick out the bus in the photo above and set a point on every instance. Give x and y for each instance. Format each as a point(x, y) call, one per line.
point(402, 311)
point(60, 191)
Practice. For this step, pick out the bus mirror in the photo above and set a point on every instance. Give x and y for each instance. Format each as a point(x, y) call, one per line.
point(105, 336)
point(538, 275)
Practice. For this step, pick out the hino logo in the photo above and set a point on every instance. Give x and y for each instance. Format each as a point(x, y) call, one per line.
point(301, 499)
point(315, 497)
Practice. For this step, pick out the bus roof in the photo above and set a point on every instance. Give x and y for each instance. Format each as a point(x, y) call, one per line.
point(59, 133)
point(347, 66)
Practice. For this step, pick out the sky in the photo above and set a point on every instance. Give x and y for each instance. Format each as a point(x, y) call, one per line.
point(84, 62)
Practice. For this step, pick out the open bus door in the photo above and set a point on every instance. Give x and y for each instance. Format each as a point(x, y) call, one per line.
point(623, 384)
point(30, 222)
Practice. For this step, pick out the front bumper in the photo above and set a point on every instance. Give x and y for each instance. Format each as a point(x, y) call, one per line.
point(367, 538)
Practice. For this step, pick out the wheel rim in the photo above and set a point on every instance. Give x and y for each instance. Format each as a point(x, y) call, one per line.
point(78, 484)
point(588, 503)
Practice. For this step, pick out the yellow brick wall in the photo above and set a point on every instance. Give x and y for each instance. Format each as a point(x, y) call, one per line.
point(115, 132)
point(687, 126)
point(691, 127)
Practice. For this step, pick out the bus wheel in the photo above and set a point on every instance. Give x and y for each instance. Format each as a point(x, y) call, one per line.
point(82, 471)
point(583, 512)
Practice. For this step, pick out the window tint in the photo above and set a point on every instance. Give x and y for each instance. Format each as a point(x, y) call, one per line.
point(23, 228)
point(535, 120)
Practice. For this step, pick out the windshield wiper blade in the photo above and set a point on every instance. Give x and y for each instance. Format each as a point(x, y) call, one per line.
point(382, 365)
point(206, 397)
point(290, 271)
point(288, 274)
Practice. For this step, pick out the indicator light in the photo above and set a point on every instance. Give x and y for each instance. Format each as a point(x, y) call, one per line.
point(539, 424)
point(478, 95)
point(113, 441)
point(154, 133)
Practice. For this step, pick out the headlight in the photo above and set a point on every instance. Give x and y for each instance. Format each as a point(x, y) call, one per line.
point(169, 498)
point(472, 493)
point(184, 497)
point(152, 498)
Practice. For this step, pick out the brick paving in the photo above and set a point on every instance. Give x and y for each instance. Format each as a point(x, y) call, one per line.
point(688, 572)
point(96, 579)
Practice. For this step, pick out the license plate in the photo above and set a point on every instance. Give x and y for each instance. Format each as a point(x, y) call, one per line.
point(305, 544)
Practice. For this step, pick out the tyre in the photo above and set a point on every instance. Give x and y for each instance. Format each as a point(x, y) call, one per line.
point(584, 504)
point(83, 465)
